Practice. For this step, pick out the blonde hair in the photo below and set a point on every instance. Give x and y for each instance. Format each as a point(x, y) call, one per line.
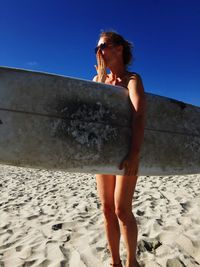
point(117, 39)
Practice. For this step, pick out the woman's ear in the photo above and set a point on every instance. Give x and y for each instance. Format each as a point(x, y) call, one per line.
point(120, 49)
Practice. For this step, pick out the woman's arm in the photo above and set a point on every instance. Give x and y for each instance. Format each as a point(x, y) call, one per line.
point(138, 101)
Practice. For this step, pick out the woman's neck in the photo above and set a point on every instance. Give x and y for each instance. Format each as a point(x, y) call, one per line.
point(117, 72)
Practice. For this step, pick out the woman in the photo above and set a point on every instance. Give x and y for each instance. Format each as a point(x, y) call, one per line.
point(116, 191)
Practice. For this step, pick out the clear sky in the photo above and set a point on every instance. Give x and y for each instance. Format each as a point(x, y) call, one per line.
point(59, 36)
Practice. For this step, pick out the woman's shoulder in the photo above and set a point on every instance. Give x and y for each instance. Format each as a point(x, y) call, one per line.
point(135, 81)
point(134, 76)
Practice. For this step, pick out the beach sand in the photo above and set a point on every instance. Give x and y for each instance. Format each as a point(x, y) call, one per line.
point(54, 219)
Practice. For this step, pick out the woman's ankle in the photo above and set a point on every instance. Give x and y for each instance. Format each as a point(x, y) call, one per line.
point(116, 263)
point(132, 263)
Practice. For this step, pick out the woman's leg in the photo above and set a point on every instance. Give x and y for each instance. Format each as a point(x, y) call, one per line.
point(106, 189)
point(124, 190)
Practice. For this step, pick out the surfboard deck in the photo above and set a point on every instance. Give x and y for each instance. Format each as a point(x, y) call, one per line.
point(63, 123)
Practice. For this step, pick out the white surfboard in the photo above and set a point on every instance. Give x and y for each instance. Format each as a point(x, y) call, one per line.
point(62, 123)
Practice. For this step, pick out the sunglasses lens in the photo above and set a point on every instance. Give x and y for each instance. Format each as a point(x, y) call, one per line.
point(101, 47)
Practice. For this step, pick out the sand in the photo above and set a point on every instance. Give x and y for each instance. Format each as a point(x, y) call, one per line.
point(54, 219)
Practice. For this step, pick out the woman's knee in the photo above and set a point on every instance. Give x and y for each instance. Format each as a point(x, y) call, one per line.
point(123, 213)
point(108, 210)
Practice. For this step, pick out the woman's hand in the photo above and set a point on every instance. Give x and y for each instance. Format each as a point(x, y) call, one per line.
point(130, 164)
point(101, 68)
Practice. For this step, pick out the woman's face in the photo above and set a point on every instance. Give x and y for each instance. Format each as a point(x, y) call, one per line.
point(109, 51)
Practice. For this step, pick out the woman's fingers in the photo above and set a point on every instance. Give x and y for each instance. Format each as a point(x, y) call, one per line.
point(130, 167)
point(131, 170)
point(121, 166)
point(100, 58)
point(128, 170)
point(101, 67)
point(99, 61)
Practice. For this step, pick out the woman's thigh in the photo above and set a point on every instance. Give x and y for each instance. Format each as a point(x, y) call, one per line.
point(124, 191)
point(106, 188)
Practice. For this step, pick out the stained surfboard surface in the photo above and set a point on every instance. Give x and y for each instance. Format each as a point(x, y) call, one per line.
point(56, 122)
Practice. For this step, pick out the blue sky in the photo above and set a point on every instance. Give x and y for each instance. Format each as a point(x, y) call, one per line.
point(59, 37)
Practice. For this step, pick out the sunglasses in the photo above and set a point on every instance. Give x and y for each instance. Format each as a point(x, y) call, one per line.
point(102, 47)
